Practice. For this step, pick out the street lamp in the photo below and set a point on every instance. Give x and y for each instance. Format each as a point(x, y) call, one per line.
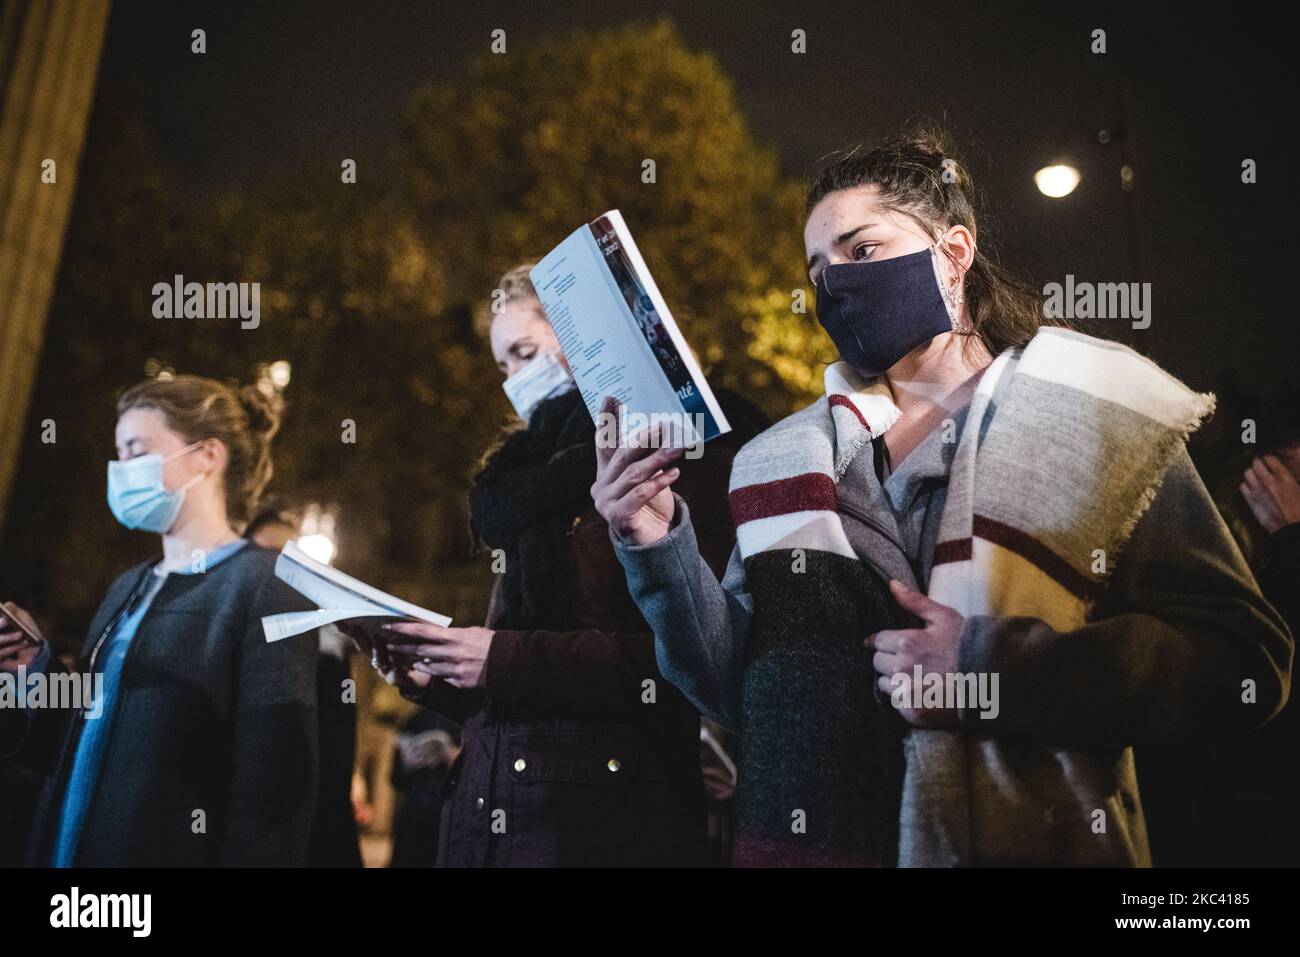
point(1061, 179)
point(1057, 180)
point(317, 534)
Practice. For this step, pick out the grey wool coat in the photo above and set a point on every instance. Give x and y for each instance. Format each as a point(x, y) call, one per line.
point(1179, 628)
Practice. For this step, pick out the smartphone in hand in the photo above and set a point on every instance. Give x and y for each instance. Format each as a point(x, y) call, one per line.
point(8, 608)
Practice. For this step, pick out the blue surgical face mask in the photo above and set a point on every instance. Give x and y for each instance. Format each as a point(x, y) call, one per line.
point(543, 378)
point(876, 312)
point(137, 496)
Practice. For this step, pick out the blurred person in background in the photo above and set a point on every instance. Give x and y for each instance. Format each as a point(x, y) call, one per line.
point(426, 746)
point(1271, 488)
point(20, 788)
point(199, 747)
point(334, 838)
point(1252, 810)
point(575, 750)
point(719, 768)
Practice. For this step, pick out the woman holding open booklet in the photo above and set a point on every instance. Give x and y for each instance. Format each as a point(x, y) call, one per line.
point(575, 750)
point(980, 569)
point(189, 740)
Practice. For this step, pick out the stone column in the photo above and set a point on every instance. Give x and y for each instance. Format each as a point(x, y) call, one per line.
point(49, 58)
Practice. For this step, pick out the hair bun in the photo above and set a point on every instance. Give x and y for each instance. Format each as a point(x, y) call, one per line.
point(263, 410)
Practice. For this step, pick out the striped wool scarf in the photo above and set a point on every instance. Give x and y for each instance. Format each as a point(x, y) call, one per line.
point(1043, 495)
point(1063, 448)
point(821, 763)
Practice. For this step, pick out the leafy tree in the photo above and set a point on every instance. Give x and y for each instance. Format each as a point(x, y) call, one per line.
point(505, 160)
point(369, 297)
point(349, 297)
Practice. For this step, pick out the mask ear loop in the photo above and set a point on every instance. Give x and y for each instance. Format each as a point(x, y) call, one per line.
point(953, 294)
point(185, 451)
point(193, 482)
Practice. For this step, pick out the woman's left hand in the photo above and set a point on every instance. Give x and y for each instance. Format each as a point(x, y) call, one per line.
point(456, 655)
point(934, 648)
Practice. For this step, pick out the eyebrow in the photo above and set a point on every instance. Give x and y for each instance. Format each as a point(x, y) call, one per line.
point(841, 238)
point(514, 349)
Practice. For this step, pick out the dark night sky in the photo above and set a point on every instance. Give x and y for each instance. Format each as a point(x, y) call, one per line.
point(284, 84)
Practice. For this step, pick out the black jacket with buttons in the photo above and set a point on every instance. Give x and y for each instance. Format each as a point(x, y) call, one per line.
point(578, 752)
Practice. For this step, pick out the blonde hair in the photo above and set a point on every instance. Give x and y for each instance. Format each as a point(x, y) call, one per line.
point(515, 285)
point(244, 419)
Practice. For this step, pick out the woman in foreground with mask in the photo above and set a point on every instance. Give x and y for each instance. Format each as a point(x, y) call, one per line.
point(199, 746)
point(977, 499)
point(574, 751)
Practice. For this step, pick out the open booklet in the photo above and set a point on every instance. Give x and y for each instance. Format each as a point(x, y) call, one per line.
point(339, 596)
point(618, 336)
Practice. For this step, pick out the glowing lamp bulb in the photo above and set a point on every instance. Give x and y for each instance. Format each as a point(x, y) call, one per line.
point(1056, 181)
point(318, 547)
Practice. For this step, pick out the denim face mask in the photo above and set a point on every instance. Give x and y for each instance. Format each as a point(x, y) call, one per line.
point(878, 312)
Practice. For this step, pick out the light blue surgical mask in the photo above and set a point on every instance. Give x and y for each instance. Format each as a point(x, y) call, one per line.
point(543, 378)
point(137, 496)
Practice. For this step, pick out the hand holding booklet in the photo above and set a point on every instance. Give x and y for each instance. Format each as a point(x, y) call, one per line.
point(618, 336)
point(340, 597)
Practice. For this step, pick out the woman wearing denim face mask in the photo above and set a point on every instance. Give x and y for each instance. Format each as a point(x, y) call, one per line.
point(976, 496)
point(199, 746)
point(575, 751)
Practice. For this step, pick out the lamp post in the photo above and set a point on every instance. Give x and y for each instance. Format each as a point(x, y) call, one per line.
point(1060, 179)
point(1123, 137)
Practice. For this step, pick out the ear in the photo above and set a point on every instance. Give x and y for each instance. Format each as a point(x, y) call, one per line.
point(213, 456)
point(959, 248)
